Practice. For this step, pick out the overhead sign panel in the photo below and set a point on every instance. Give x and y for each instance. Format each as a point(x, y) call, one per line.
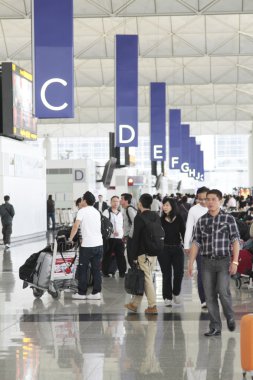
point(53, 58)
point(174, 138)
point(126, 96)
point(185, 148)
point(158, 121)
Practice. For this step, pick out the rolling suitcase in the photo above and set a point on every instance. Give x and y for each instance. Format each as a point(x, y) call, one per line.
point(42, 273)
point(247, 343)
point(245, 262)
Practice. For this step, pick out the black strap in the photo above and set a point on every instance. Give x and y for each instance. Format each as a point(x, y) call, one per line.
point(6, 209)
point(129, 219)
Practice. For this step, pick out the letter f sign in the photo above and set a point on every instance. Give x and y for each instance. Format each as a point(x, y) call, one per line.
point(174, 161)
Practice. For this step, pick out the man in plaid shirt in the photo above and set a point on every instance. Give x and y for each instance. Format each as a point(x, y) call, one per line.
point(216, 238)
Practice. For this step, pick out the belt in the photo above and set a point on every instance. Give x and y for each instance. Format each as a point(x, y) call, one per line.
point(210, 257)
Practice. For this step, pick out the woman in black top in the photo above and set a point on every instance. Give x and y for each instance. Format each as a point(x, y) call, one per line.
point(173, 254)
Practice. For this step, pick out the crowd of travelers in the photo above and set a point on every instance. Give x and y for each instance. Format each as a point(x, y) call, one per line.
point(205, 227)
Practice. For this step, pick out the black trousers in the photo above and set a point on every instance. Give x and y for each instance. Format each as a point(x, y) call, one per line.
point(7, 231)
point(130, 257)
point(172, 257)
point(115, 246)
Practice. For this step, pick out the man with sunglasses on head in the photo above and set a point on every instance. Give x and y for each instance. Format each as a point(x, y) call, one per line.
point(194, 214)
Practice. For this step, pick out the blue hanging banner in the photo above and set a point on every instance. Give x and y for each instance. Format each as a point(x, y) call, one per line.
point(193, 161)
point(174, 138)
point(53, 58)
point(198, 166)
point(157, 121)
point(185, 148)
point(126, 87)
point(202, 170)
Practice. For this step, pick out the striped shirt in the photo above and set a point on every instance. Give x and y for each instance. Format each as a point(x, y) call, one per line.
point(215, 234)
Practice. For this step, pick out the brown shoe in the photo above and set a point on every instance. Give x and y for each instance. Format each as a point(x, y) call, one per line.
point(151, 310)
point(131, 307)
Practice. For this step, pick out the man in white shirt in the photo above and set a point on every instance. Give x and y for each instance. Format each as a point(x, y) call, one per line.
point(91, 248)
point(194, 214)
point(115, 242)
point(156, 206)
point(231, 203)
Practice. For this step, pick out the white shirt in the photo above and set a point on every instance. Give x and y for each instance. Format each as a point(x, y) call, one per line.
point(117, 222)
point(231, 202)
point(155, 206)
point(194, 214)
point(90, 219)
point(100, 206)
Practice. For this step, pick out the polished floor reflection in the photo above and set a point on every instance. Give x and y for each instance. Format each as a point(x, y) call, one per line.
point(45, 339)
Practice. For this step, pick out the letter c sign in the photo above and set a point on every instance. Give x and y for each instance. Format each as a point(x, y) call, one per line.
point(43, 94)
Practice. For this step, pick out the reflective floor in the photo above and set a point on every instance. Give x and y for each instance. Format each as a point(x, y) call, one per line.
point(47, 339)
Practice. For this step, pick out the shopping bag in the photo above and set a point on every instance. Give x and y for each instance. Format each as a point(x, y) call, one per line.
point(134, 281)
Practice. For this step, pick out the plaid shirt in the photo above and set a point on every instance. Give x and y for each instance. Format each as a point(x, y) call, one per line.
point(214, 235)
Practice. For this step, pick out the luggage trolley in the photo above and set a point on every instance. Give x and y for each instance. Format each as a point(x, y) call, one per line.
point(55, 271)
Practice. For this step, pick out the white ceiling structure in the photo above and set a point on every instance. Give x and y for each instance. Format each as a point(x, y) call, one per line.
point(202, 49)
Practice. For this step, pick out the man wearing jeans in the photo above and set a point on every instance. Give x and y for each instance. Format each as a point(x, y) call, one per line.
point(91, 248)
point(216, 237)
point(145, 262)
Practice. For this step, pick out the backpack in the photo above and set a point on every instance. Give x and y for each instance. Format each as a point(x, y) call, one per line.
point(127, 214)
point(106, 227)
point(243, 229)
point(153, 235)
point(27, 270)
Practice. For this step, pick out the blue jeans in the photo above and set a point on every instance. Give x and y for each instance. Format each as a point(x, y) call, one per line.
point(51, 215)
point(216, 280)
point(92, 255)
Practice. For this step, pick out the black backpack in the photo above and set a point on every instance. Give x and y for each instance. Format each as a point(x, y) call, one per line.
point(153, 235)
point(27, 270)
point(127, 214)
point(106, 227)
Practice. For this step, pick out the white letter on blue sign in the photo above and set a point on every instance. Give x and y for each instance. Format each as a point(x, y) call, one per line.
point(158, 152)
point(185, 167)
point(43, 94)
point(174, 161)
point(132, 131)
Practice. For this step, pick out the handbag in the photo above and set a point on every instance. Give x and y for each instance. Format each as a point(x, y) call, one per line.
point(134, 281)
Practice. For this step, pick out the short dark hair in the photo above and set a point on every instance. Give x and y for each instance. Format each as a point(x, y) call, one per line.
point(216, 192)
point(114, 196)
point(79, 200)
point(127, 197)
point(146, 200)
point(89, 198)
point(6, 198)
point(202, 189)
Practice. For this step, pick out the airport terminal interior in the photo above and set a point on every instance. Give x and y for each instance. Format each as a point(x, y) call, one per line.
point(202, 50)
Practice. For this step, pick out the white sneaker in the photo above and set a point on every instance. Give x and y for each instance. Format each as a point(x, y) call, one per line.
point(7, 246)
point(78, 296)
point(96, 296)
point(203, 305)
point(167, 302)
point(177, 299)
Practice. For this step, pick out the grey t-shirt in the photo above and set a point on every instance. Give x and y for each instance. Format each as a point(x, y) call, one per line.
point(128, 227)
